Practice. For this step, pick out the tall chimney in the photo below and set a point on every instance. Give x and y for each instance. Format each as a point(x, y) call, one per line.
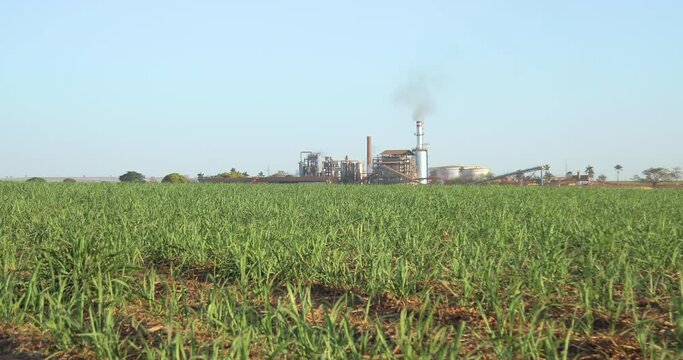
point(369, 155)
point(420, 135)
point(421, 155)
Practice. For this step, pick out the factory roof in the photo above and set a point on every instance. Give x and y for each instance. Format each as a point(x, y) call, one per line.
point(397, 152)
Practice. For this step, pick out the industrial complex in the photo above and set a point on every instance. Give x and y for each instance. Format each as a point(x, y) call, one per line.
point(392, 166)
point(389, 167)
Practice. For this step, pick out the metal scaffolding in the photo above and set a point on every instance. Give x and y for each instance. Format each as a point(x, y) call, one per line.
point(394, 167)
point(309, 164)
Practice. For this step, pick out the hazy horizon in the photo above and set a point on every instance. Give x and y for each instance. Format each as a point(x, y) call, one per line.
point(98, 89)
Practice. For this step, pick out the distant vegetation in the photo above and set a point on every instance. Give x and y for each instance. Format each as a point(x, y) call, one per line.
point(232, 174)
point(282, 173)
point(36, 180)
point(175, 178)
point(132, 177)
point(618, 168)
point(653, 176)
point(658, 175)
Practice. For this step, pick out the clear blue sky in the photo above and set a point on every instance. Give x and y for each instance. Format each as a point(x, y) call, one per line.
point(98, 88)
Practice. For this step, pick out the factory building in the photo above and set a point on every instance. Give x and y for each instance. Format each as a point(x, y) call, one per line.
point(394, 167)
point(350, 171)
point(402, 166)
point(309, 164)
point(344, 171)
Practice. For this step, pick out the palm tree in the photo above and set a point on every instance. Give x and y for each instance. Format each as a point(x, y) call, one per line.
point(589, 171)
point(618, 168)
point(545, 168)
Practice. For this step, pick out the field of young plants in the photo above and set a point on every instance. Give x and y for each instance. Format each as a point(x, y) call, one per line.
point(292, 271)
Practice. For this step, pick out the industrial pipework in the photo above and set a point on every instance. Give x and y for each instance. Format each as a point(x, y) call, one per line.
point(421, 155)
point(369, 156)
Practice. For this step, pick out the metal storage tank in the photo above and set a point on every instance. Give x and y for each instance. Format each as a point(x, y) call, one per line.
point(456, 173)
point(474, 173)
point(351, 171)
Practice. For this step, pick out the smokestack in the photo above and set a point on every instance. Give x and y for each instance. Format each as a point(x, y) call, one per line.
point(369, 155)
point(420, 135)
point(421, 155)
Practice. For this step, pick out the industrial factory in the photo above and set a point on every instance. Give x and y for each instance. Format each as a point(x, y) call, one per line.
point(392, 166)
point(407, 166)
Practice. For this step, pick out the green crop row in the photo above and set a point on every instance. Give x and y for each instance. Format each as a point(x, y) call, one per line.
point(300, 271)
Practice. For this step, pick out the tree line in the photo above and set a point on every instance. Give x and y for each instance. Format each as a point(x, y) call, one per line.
point(177, 178)
point(653, 175)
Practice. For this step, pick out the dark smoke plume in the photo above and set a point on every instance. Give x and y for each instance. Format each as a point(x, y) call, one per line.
point(417, 95)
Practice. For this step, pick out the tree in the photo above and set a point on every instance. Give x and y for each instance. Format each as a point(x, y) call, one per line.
point(36, 180)
point(548, 176)
point(132, 177)
point(175, 178)
point(656, 175)
point(590, 171)
point(200, 177)
point(618, 168)
point(69, 180)
point(519, 176)
point(281, 173)
point(545, 169)
point(261, 174)
point(602, 178)
point(233, 174)
point(676, 173)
